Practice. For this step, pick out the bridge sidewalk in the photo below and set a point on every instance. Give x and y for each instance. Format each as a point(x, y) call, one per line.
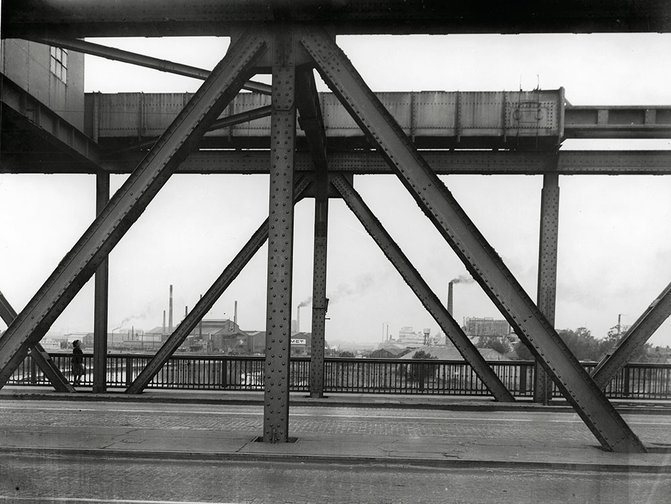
point(432, 431)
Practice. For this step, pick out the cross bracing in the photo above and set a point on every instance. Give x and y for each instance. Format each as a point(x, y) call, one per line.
point(380, 142)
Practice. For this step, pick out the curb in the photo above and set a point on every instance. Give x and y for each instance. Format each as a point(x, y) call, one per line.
point(294, 401)
point(337, 459)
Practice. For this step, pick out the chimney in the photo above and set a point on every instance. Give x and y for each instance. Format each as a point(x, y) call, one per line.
point(298, 319)
point(170, 312)
point(235, 313)
point(450, 294)
point(200, 324)
point(163, 333)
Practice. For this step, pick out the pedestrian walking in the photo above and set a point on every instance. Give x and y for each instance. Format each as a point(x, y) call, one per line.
point(78, 368)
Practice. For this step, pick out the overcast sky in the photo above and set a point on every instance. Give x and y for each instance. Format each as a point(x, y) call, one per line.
point(614, 244)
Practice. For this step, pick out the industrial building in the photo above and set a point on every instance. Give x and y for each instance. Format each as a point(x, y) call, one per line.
point(476, 327)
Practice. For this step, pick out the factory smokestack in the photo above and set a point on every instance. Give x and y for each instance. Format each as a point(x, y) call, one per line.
point(163, 333)
point(170, 311)
point(298, 318)
point(235, 313)
point(450, 294)
point(450, 290)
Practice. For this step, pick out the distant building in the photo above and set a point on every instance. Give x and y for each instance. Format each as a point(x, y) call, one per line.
point(301, 343)
point(388, 351)
point(476, 327)
point(407, 337)
point(451, 353)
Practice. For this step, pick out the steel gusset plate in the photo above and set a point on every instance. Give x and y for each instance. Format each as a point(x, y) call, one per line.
point(463, 236)
point(129, 201)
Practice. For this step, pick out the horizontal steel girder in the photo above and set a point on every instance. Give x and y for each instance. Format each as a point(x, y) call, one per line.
point(422, 290)
point(82, 18)
point(640, 332)
point(510, 120)
point(129, 202)
point(615, 162)
point(480, 258)
point(617, 122)
point(206, 302)
point(38, 353)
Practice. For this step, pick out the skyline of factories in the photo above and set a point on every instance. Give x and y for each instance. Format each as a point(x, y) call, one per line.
point(130, 327)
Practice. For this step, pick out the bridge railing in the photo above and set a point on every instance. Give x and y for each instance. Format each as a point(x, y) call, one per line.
point(371, 376)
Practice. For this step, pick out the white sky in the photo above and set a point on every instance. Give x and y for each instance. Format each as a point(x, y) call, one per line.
point(614, 245)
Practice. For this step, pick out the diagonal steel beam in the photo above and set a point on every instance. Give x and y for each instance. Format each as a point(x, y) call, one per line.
point(38, 353)
point(654, 316)
point(129, 202)
point(224, 122)
point(480, 258)
point(206, 302)
point(310, 117)
point(424, 293)
point(115, 54)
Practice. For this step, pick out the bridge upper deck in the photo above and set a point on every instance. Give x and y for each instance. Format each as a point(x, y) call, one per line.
point(91, 18)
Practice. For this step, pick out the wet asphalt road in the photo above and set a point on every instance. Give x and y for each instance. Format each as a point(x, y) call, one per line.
point(62, 476)
point(90, 479)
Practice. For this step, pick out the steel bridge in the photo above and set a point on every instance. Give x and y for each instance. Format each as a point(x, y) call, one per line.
point(416, 136)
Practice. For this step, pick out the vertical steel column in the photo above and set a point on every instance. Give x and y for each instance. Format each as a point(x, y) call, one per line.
point(312, 123)
point(101, 297)
point(319, 301)
point(280, 242)
point(547, 273)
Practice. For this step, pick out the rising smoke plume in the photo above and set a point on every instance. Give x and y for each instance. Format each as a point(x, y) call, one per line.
point(462, 279)
point(305, 302)
point(361, 285)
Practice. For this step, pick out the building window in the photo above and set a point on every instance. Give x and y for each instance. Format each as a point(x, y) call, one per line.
point(58, 63)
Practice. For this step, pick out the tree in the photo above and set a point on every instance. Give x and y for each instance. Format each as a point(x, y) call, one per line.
point(497, 343)
point(346, 354)
point(419, 372)
point(523, 351)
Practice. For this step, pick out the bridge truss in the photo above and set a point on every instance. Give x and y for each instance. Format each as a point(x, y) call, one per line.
point(289, 43)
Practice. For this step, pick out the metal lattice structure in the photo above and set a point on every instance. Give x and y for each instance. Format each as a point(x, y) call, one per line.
point(290, 40)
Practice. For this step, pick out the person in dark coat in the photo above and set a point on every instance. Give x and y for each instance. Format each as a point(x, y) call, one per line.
point(77, 362)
